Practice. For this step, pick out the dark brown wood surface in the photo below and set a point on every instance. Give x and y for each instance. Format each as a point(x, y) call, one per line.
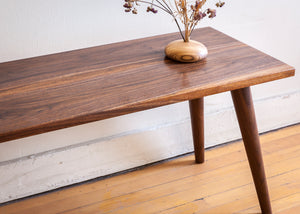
point(61, 90)
point(197, 123)
point(244, 109)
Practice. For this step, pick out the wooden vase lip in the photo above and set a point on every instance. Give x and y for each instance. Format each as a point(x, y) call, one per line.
point(182, 51)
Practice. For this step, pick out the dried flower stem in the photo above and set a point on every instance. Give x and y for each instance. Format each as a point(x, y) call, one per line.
point(167, 11)
point(186, 21)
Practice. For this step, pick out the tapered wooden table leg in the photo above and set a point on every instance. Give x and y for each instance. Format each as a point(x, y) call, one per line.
point(243, 104)
point(197, 119)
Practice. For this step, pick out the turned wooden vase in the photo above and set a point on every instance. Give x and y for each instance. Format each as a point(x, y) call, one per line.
point(182, 51)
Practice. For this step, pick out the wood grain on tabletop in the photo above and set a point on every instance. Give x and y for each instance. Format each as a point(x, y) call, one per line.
point(61, 90)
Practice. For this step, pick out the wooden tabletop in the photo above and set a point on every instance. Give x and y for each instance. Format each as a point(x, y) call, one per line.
point(61, 90)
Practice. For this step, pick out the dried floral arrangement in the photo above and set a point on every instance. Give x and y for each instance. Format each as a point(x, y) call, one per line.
point(188, 12)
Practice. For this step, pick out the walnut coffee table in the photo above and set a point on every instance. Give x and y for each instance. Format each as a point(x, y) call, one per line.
point(56, 91)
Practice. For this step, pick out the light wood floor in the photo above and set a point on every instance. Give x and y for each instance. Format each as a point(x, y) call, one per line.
point(222, 185)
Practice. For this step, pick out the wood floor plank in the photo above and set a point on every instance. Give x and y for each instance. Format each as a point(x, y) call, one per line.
point(292, 210)
point(102, 186)
point(281, 203)
point(183, 191)
point(278, 189)
point(238, 198)
point(180, 186)
point(96, 196)
point(152, 192)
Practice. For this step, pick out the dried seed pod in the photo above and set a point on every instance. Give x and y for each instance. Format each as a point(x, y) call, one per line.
point(134, 11)
point(127, 5)
point(199, 16)
point(211, 12)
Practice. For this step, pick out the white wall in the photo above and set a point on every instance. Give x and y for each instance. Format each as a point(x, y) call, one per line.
point(51, 160)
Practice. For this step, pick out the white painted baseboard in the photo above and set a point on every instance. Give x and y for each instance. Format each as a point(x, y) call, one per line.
point(82, 153)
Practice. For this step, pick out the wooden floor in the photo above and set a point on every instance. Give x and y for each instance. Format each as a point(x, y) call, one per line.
point(223, 184)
